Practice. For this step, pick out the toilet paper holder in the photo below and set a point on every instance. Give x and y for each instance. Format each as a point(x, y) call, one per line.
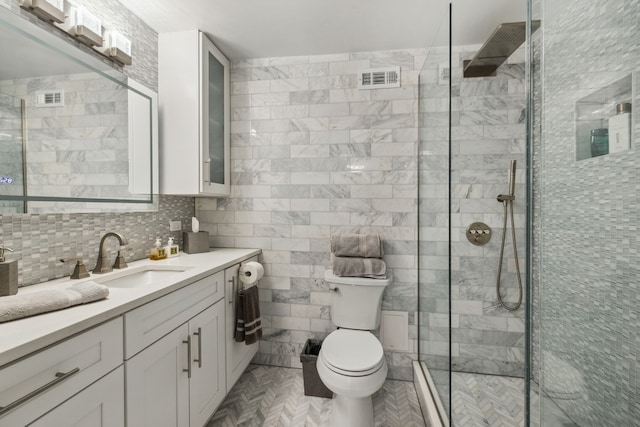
point(249, 273)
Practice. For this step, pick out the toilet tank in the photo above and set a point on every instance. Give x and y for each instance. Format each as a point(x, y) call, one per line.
point(356, 301)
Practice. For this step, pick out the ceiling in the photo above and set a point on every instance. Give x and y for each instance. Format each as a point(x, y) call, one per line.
point(274, 28)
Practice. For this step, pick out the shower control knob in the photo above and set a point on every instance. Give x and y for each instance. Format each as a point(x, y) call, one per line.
point(478, 233)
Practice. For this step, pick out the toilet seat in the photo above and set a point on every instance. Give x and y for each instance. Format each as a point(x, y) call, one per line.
point(352, 353)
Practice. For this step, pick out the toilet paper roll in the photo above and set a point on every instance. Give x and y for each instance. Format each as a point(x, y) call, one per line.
point(251, 272)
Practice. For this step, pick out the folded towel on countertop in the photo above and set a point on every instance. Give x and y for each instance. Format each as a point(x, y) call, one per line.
point(357, 245)
point(374, 268)
point(29, 304)
point(248, 320)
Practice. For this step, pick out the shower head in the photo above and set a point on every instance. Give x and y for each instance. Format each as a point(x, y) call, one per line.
point(504, 40)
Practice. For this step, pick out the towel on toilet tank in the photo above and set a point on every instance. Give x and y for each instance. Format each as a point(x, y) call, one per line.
point(374, 268)
point(248, 320)
point(357, 245)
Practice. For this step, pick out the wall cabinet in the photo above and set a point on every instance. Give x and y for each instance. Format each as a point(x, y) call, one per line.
point(194, 115)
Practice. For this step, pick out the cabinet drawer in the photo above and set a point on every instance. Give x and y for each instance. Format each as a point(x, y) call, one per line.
point(35, 385)
point(152, 321)
point(99, 405)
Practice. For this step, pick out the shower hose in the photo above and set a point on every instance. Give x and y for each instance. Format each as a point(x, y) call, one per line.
point(511, 307)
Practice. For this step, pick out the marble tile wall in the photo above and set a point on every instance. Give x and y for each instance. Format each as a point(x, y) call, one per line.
point(312, 156)
point(79, 149)
point(488, 131)
point(41, 240)
point(588, 290)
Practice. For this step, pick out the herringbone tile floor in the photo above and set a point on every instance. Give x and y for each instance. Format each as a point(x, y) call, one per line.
point(274, 397)
point(487, 400)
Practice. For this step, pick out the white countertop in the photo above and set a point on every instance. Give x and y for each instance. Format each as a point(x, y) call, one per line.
point(20, 337)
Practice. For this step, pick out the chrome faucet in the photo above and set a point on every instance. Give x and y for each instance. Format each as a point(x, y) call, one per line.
point(102, 264)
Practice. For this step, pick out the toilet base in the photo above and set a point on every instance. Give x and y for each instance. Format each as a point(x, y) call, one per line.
point(351, 412)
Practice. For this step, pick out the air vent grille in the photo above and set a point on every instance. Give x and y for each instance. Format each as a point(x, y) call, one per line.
point(50, 98)
point(379, 78)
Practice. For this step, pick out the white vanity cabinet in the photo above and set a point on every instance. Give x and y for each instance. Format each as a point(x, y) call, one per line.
point(239, 354)
point(194, 115)
point(164, 358)
point(175, 373)
point(33, 386)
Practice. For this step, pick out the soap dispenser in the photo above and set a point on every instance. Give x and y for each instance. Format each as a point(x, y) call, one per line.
point(172, 249)
point(158, 252)
point(8, 274)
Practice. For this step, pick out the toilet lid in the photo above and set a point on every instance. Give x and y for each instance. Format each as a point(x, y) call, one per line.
point(352, 352)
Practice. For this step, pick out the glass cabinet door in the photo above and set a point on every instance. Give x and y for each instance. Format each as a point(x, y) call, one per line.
point(215, 120)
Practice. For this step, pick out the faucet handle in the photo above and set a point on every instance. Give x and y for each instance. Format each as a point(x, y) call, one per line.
point(80, 271)
point(2, 249)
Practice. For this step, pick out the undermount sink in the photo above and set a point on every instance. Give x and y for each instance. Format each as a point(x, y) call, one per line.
point(143, 275)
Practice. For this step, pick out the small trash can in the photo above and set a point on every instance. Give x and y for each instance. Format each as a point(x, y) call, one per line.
point(313, 385)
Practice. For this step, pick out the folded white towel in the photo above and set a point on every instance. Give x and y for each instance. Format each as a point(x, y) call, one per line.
point(23, 305)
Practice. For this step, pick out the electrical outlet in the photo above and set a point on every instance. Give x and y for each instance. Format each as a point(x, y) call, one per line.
point(175, 225)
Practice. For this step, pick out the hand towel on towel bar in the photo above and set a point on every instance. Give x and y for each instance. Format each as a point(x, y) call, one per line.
point(25, 305)
point(248, 321)
point(357, 245)
point(359, 267)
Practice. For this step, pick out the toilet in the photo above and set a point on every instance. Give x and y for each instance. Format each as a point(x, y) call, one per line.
point(351, 362)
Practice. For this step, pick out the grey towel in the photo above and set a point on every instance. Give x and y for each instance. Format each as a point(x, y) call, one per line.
point(357, 245)
point(25, 305)
point(359, 267)
point(248, 320)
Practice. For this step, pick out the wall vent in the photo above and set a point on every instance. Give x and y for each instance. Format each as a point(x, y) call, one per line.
point(50, 98)
point(379, 78)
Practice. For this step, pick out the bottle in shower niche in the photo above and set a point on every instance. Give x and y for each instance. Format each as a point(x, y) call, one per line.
point(620, 128)
point(599, 142)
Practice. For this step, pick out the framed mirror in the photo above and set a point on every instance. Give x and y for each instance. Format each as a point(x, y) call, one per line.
point(76, 135)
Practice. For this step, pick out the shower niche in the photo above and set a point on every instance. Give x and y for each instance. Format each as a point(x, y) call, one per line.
point(604, 120)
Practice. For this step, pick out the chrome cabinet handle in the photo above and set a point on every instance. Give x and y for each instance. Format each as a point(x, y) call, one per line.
point(60, 377)
point(199, 359)
point(188, 343)
point(233, 289)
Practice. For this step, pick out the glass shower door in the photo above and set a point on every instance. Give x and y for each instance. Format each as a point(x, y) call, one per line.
point(434, 156)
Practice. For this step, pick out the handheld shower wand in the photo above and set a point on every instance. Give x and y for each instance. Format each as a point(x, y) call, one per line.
point(507, 202)
point(511, 185)
point(512, 178)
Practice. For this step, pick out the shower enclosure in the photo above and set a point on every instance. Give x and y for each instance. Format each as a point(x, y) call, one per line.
point(568, 355)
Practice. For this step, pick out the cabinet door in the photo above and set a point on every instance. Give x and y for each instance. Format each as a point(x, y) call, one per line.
point(99, 405)
point(215, 121)
point(157, 386)
point(238, 353)
point(207, 385)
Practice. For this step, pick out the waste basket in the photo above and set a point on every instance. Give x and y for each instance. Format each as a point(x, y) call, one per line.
point(313, 385)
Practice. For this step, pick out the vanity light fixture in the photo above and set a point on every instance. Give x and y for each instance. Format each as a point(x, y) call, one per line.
point(117, 47)
point(49, 10)
point(83, 25)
